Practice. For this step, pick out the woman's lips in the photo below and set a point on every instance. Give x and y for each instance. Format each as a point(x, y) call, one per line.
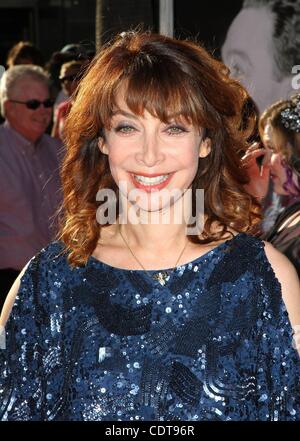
point(150, 187)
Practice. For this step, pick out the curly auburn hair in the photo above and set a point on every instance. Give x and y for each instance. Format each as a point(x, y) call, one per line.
point(166, 77)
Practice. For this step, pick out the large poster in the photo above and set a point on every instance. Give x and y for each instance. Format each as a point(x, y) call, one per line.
point(262, 49)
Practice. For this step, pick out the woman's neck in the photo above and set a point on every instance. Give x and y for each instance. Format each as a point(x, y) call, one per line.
point(154, 237)
point(161, 228)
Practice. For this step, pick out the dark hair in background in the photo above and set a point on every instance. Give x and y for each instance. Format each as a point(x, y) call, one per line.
point(166, 77)
point(250, 119)
point(286, 32)
point(72, 52)
point(24, 50)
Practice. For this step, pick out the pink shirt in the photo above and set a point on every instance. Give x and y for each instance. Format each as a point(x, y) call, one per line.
point(29, 195)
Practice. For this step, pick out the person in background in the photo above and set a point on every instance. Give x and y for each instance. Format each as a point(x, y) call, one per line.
point(261, 48)
point(24, 52)
point(280, 132)
point(253, 158)
point(29, 170)
point(70, 52)
point(53, 67)
point(70, 75)
point(135, 316)
point(255, 161)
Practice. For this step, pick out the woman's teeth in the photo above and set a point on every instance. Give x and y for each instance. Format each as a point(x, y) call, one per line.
point(151, 181)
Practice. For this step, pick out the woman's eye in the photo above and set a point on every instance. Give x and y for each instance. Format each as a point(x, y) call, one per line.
point(176, 130)
point(237, 70)
point(124, 129)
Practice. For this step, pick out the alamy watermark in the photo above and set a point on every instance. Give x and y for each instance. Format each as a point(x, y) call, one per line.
point(158, 207)
point(296, 78)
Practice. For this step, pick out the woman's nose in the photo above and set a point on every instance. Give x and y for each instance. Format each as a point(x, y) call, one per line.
point(151, 152)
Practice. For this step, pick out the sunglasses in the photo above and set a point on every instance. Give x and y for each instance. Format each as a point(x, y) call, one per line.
point(69, 78)
point(35, 104)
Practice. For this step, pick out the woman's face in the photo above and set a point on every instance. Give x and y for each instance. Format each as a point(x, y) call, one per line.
point(278, 171)
point(148, 156)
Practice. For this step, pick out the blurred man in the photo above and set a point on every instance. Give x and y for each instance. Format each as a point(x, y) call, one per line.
point(29, 170)
point(262, 46)
point(70, 75)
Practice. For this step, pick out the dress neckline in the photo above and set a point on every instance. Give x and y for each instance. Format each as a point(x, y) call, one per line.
point(93, 260)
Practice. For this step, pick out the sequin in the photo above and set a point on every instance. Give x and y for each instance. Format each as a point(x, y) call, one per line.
point(213, 343)
point(102, 354)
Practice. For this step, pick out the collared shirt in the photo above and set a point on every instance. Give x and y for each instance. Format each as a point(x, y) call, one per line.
point(30, 195)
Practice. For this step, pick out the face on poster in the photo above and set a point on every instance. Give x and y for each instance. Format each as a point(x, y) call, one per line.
point(252, 50)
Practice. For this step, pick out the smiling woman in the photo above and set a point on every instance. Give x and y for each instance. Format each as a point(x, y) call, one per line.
point(156, 86)
point(147, 154)
point(140, 320)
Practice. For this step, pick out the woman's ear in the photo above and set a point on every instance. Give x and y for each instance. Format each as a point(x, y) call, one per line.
point(102, 145)
point(205, 148)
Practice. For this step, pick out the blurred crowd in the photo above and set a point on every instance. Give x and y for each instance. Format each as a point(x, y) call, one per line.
point(35, 97)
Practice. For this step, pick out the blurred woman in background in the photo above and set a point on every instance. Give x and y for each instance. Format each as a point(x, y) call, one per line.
point(280, 132)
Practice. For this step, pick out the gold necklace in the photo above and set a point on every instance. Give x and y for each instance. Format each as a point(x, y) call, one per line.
point(162, 276)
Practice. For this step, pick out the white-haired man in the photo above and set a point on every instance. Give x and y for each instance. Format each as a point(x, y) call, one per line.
point(29, 170)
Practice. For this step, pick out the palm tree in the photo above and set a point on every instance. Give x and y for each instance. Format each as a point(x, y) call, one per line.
point(98, 24)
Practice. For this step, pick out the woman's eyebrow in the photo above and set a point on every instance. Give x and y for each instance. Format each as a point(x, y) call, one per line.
point(124, 113)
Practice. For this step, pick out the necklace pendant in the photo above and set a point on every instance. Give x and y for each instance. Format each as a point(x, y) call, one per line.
point(162, 277)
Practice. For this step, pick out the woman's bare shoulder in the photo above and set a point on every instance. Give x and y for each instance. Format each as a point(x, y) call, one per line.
point(288, 279)
point(10, 298)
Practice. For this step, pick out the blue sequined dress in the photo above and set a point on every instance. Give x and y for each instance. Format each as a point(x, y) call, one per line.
point(103, 343)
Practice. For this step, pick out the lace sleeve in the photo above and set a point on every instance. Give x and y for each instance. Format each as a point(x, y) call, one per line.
point(20, 388)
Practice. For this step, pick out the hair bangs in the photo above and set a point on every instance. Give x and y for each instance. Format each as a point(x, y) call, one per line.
point(164, 91)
